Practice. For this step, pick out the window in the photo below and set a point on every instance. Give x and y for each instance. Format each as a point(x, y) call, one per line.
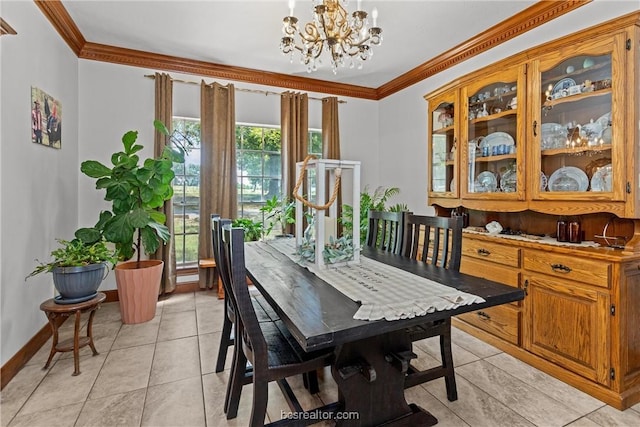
point(259, 150)
point(186, 193)
point(259, 178)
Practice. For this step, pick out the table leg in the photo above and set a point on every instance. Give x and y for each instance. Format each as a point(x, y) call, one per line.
point(370, 382)
point(54, 330)
point(76, 344)
point(90, 332)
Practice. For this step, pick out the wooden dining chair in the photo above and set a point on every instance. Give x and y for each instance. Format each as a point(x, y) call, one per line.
point(385, 230)
point(268, 346)
point(441, 245)
point(263, 309)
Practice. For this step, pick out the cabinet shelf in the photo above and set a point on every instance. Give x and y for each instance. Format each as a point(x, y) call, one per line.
point(576, 97)
point(491, 99)
point(576, 150)
point(443, 131)
point(579, 72)
point(493, 116)
point(487, 159)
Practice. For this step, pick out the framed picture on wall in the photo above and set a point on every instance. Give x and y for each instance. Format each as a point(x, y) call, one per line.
point(46, 119)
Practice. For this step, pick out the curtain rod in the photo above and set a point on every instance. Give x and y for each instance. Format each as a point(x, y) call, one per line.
point(263, 92)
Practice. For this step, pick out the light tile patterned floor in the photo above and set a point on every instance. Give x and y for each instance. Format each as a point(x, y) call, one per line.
point(161, 373)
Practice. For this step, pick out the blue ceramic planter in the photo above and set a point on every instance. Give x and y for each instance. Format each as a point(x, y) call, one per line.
point(76, 283)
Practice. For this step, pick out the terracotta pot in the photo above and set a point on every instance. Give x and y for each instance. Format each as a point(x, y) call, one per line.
point(138, 288)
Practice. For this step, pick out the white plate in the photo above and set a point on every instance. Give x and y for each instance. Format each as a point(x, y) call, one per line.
point(568, 178)
point(552, 128)
point(553, 135)
point(604, 120)
point(543, 181)
point(497, 138)
point(563, 84)
point(509, 181)
point(486, 182)
point(602, 179)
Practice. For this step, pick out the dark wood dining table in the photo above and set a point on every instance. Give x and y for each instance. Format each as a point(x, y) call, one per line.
point(368, 368)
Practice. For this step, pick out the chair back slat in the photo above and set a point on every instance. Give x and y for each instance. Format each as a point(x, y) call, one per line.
point(217, 225)
point(385, 230)
point(247, 327)
point(442, 240)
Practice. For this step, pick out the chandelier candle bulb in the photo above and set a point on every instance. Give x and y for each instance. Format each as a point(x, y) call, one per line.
point(292, 4)
point(374, 15)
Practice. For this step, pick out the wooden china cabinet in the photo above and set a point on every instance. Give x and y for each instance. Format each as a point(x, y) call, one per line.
point(549, 137)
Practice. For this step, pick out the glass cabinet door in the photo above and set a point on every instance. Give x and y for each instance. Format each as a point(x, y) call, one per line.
point(578, 143)
point(492, 134)
point(443, 148)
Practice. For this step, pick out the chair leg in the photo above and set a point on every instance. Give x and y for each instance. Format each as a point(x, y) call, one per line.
point(225, 342)
point(236, 381)
point(447, 363)
point(310, 381)
point(260, 400)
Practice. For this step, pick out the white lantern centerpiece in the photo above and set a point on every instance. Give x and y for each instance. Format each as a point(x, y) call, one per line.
point(319, 243)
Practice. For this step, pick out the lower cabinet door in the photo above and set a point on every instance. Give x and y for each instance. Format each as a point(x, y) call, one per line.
point(568, 324)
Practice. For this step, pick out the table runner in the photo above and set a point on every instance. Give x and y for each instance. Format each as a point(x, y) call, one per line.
point(385, 292)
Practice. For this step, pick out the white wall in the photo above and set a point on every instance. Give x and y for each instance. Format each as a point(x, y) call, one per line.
point(403, 116)
point(38, 184)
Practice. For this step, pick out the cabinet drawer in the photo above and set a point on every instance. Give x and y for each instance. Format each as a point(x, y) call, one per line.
point(568, 267)
point(490, 271)
point(494, 252)
point(502, 321)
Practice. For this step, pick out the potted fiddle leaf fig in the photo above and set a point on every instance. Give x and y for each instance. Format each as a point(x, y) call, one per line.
point(136, 190)
point(78, 267)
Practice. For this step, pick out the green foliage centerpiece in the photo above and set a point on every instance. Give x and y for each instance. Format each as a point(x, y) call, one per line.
point(322, 217)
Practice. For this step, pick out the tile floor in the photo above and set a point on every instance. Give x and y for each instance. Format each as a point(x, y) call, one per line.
point(161, 373)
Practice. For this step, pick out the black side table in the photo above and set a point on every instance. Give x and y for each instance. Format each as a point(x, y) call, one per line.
point(54, 310)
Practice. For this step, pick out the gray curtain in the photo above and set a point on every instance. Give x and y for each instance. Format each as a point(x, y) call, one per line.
point(331, 142)
point(218, 177)
point(294, 122)
point(164, 113)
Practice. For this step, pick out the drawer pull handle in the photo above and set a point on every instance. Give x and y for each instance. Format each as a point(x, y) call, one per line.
point(484, 315)
point(483, 252)
point(560, 268)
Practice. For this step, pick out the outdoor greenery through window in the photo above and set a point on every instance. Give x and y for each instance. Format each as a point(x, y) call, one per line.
point(259, 150)
point(259, 169)
point(186, 193)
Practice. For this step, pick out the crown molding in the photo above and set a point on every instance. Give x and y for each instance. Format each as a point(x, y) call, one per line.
point(138, 58)
point(56, 13)
point(6, 29)
point(532, 17)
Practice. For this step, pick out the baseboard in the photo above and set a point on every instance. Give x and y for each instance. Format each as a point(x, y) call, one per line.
point(13, 366)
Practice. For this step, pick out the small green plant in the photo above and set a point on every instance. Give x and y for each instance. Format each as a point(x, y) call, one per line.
point(253, 230)
point(76, 253)
point(279, 212)
point(375, 201)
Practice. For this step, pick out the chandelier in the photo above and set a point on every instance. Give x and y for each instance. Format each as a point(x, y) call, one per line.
point(347, 39)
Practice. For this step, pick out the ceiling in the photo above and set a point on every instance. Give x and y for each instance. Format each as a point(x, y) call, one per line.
point(247, 33)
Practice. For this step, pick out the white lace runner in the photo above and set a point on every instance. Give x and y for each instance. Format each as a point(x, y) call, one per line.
point(385, 292)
